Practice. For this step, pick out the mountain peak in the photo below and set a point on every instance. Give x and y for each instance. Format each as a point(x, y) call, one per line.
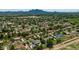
point(37, 11)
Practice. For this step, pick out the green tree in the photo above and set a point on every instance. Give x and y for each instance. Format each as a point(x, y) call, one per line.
point(54, 41)
point(50, 43)
point(12, 47)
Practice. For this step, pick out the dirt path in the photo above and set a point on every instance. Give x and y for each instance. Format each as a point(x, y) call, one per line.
point(64, 44)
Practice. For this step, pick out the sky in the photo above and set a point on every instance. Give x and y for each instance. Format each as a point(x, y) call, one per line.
point(49, 10)
point(63, 10)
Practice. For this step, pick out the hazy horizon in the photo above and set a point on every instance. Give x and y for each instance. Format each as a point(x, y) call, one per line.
point(48, 10)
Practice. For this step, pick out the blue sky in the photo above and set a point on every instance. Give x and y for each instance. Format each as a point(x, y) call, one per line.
point(51, 10)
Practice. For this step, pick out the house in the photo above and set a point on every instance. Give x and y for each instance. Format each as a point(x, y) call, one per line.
point(58, 36)
point(20, 46)
point(34, 43)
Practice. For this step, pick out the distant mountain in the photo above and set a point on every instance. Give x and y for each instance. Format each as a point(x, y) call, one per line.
point(30, 12)
point(35, 12)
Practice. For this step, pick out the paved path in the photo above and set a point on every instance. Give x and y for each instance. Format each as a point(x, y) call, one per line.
point(64, 44)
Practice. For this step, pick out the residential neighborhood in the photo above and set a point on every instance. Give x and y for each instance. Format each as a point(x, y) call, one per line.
point(37, 32)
